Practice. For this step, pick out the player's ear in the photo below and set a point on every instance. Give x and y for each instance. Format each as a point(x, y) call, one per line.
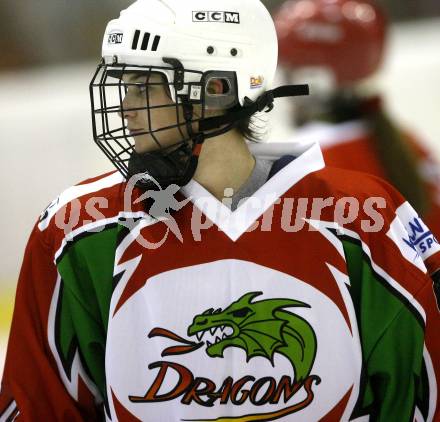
point(217, 86)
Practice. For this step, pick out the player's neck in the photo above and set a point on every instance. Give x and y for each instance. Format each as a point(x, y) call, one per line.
point(224, 162)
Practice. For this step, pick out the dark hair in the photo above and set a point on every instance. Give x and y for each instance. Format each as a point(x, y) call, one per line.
point(392, 148)
point(253, 128)
point(398, 160)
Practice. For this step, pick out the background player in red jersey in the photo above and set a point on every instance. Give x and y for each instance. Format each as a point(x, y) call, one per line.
point(343, 42)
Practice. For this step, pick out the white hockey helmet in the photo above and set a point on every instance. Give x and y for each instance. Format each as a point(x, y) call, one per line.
point(191, 43)
point(225, 35)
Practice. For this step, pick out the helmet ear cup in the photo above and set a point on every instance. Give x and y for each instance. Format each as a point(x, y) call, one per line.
point(220, 90)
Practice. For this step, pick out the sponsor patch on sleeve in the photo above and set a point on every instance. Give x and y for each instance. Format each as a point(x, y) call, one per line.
point(412, 236)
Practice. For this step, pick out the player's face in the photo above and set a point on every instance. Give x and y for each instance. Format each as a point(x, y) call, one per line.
point(136, 115)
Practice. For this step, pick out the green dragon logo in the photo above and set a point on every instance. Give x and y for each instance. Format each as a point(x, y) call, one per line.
point(260, 328)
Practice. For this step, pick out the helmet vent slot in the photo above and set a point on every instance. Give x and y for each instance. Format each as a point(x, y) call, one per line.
point(145, 41)
point(155, 43)
point(137, 33)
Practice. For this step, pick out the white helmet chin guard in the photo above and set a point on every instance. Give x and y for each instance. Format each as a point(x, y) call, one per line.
point(191, 43)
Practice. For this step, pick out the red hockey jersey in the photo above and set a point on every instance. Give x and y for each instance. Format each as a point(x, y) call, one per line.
point(312, 301)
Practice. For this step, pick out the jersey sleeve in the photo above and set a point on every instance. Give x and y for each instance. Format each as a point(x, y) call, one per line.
point(393, 288)
point(407, 356)
point(405, 359)
point(35, 386)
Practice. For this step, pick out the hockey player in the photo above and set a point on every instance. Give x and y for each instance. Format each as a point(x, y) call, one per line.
point(343, 43)
point(309, 300)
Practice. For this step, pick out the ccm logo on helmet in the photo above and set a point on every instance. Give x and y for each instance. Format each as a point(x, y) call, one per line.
point(221, 17)
point(115, 38)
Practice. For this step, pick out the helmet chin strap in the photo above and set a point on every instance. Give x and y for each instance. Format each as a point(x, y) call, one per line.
point(178, 165)
point(262, 103)
point(173, 165)
point(163, 168)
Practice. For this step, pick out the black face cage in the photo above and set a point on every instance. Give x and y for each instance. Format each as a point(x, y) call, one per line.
point(110, 130)
point(188, 101)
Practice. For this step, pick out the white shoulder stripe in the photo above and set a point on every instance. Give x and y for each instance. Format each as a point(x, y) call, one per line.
point(98, 226)
point(9, 412)
point(76, 192)
point(322, 226)
point(329, 135)
point(390, 280)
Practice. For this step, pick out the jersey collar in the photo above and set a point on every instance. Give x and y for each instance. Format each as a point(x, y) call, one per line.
point(308, 159)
